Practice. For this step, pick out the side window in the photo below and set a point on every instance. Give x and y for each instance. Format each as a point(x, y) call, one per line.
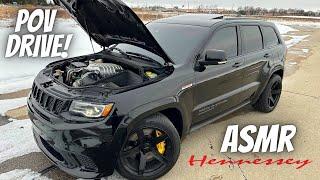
point(252, 39)
point(270, 37)
point(225, 39)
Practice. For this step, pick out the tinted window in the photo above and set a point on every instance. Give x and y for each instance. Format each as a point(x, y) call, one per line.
point(179, 41)
point(225, 39)
point(252, 39)
point(270, 37)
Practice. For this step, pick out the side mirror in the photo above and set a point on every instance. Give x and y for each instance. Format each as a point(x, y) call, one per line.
point(214, 57)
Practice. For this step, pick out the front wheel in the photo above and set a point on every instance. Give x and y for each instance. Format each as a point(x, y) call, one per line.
point(151, 149)
point(270, 96)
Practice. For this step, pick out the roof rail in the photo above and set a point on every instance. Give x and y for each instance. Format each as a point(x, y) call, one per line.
point(241, 18)
point(218, 17)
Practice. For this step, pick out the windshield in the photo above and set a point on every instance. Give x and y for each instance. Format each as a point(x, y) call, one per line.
point(178, 41)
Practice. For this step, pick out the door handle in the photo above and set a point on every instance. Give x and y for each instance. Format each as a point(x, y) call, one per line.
point(267, 55)
point(237, 64)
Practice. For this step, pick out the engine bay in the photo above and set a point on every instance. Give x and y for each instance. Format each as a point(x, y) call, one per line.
point(103, 72)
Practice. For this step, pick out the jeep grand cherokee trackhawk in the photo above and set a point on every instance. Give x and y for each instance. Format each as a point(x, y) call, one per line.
point(128, 106)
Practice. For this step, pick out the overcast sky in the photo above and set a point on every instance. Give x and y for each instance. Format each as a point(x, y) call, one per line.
point(302, 4)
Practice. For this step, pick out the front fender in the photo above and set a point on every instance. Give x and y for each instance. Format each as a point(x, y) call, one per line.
point(267, 79)
point(137, 115)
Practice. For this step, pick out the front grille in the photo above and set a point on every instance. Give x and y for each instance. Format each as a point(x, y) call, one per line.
point(48, 102)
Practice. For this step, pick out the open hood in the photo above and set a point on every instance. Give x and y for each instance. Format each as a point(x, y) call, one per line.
point(111, 22)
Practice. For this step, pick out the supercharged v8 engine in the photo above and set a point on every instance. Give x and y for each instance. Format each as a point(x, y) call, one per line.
point(97, 72)
point(79, 74)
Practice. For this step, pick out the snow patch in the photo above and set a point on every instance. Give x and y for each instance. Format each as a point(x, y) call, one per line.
point(301, 17)
point(115, 176)
point(15, 84)
point(305, 50)
point(308, 24)
point(295, 40)
point(22, 174)
point(293, 63)
point(16, 139)
point(9, 104)
point(283, 29)
point(6, 22)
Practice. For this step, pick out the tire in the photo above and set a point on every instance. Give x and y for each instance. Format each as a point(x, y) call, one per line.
point(139, 153)
point(270, 96)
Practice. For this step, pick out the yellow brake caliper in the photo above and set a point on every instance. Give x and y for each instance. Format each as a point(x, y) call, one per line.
point(162, 145)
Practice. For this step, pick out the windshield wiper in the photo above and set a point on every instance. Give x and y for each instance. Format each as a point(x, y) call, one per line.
point(142, 56)
point(130, 54)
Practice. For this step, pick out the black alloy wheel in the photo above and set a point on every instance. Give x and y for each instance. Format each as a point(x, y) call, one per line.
point(150, 150)
point(275, 93)
point(270, 96)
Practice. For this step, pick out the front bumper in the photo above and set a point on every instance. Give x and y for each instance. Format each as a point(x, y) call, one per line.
point(87, 152)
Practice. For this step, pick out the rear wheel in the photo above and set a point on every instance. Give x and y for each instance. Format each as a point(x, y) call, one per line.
point(150, 150)
point(270, 96)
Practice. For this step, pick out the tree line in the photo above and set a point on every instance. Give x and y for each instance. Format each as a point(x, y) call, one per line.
point(249, 10)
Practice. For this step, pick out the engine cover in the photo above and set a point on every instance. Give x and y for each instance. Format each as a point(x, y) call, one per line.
point(96, 71)
point(104, 69)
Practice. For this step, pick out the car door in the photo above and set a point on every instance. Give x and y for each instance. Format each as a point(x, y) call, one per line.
point(217, 88)
point(259, 51)
point(271, 44)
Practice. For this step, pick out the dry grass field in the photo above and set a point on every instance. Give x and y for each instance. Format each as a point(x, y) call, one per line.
point(8, 12)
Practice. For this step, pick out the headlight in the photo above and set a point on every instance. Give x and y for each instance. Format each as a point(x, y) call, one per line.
point(90, 110)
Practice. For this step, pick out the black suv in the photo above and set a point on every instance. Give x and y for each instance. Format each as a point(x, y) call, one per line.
point(129, 106)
